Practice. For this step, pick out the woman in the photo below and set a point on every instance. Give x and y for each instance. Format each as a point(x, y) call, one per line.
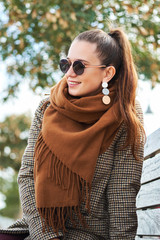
point(81, 170)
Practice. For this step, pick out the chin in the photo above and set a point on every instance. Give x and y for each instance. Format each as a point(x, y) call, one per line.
point(73, 93)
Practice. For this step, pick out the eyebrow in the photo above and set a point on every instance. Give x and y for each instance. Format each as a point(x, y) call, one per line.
point(82, 60)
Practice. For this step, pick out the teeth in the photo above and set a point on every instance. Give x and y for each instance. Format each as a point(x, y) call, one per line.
point(74, 82)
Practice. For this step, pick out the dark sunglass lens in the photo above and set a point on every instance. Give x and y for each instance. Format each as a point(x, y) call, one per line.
point(78, 67)
point(64, 65)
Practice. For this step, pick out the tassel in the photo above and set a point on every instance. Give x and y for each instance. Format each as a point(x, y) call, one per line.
point(81, 218)
point(88, 195)
point(71, 218)
point(82, 189)
point(56, 217)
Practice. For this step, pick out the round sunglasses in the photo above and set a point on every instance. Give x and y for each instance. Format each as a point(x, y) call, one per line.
point(78, 66)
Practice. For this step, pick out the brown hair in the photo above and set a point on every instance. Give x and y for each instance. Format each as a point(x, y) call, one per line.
point(114, 49)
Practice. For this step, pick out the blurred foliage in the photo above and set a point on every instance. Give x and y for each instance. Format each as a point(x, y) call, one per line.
point(13, 140)
point(12, 203)
point(34, 34)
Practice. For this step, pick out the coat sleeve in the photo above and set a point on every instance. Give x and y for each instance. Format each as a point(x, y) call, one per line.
point(26, 183)
point(123, 187)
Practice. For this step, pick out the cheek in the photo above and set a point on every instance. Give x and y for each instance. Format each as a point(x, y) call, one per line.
point(97, 80)
point(92, 78)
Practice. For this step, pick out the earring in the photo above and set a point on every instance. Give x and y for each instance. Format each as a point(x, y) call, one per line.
point(105, 99)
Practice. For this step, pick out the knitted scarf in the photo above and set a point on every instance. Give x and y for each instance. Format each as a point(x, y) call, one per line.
point(75, 131)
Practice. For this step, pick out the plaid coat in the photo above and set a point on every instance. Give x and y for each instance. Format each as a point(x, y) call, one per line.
point(115, 185)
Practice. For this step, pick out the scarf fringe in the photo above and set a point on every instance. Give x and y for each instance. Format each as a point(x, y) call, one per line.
point(66, 179)
point(57, 216)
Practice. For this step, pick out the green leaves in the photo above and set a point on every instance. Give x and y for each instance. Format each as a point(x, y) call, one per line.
point(13, 140)
point(9, 189)
point(35, 33)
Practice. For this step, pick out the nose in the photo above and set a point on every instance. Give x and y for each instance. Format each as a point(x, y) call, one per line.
point(70, 72)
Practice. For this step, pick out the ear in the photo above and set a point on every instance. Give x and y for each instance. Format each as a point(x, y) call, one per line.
point(109, 73)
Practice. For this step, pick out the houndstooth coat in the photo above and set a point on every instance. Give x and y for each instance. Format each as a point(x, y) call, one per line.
point(115, 185)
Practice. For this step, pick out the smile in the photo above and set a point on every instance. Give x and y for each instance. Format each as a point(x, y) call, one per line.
point(71, 83)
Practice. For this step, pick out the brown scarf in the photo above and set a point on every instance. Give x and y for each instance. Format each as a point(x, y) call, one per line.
point(75, 131)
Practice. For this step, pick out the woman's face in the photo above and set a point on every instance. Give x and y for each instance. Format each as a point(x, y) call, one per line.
point(89, 83)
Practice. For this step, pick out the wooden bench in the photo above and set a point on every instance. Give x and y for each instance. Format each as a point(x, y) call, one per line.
point(148, 198)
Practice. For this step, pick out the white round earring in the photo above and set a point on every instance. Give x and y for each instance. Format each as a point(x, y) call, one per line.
point(105, 99)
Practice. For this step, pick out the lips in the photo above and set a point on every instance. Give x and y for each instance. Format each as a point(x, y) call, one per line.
point(73, 83)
